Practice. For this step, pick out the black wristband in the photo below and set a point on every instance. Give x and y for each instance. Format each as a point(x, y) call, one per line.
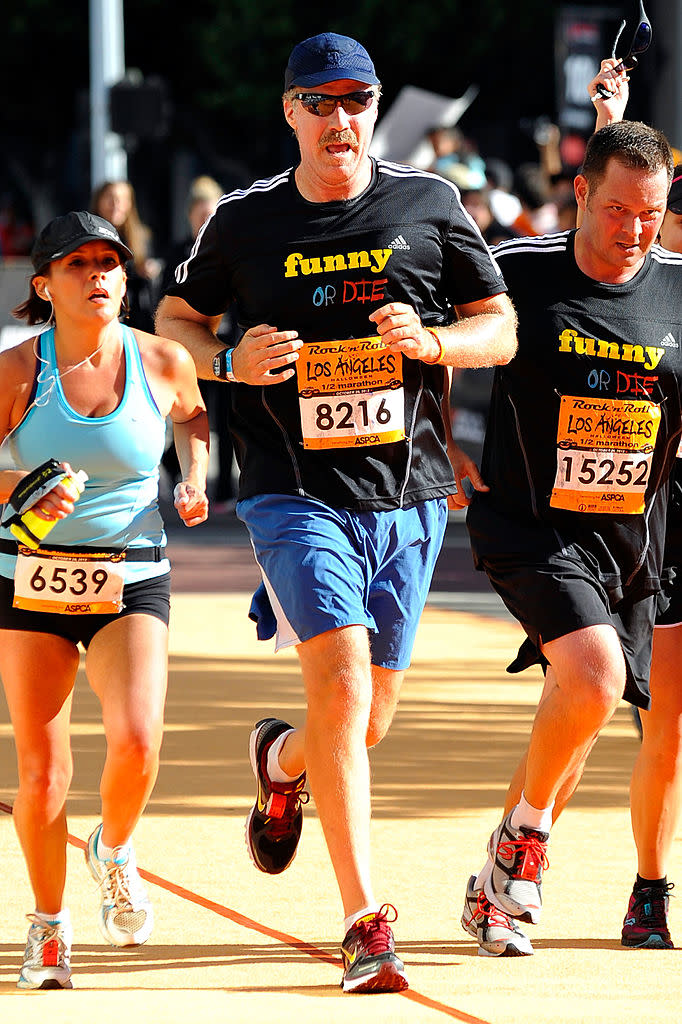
point(222, 365)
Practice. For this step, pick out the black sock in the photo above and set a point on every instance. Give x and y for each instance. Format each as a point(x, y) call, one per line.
point(650, 883)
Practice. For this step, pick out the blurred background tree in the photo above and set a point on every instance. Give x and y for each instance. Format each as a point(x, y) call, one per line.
point(223, 64)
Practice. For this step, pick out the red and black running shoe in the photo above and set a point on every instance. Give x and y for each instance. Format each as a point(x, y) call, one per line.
point(273, 827)
point(370, 963)
point(646, 922)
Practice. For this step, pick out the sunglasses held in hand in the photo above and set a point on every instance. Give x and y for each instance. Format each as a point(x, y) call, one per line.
point(323, 105)
point(640, 43)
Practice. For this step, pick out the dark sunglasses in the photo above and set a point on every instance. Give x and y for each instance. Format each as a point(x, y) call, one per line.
point(639, 45)
point(322, 105)
point(640, 41)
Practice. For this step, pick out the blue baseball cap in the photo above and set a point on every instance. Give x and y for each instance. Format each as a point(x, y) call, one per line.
point(328, 57)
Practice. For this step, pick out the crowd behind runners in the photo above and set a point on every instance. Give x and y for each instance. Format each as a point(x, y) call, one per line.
point(359, 286)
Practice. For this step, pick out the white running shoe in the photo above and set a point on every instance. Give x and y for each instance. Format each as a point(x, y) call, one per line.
point(496, 933)
point(47, 955)
point(519, 857)
point(125, 915)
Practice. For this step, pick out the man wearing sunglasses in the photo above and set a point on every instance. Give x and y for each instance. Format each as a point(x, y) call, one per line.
point(356, 282)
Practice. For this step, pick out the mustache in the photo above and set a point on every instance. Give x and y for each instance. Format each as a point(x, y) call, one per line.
point(346, 137)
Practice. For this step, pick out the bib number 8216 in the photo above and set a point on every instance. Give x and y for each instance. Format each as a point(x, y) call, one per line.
point(344, 410)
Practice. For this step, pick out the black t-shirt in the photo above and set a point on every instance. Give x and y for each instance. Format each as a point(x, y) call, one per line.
point(585, 420)
point(355, 428)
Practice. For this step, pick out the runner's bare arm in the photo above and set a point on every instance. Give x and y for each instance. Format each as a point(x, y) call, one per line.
point(17, 367)
point(263, 356)
point(190, 434)
point(463, 466)
point(612, 109)
point(484, 335)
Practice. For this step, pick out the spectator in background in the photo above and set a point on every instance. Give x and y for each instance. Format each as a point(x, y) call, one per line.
point(538, 213)
point(500, 179)
point(477, 202)
point(115, 201)
point(204, 193)
point(16, 233)
point(202, 199)
point(567, 212)
point(456, 157)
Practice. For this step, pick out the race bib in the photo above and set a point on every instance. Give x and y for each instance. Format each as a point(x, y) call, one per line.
point(605, 447)
point(68, 584)
point(350, 394)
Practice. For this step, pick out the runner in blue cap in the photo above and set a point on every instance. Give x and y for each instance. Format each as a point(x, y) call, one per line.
point(356, 282)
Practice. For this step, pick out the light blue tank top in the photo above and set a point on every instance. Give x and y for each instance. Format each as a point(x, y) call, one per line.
point(120, 453)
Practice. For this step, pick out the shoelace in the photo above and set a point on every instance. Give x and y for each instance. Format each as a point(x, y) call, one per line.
point(534, 856)
point(656, 899)
point(375, 934)
point(49, 942)
point(117, 884)
point(484, 908)
point(283, 804)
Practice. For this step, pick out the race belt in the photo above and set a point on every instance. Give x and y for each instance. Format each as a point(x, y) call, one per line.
point(66, 581)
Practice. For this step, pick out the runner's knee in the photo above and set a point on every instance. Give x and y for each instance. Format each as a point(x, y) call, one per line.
point(45, 785)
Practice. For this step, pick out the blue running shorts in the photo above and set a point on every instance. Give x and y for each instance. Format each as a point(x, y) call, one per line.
point(325, 568)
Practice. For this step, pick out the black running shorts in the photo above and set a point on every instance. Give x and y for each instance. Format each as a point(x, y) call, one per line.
point(559, 595)
point(145, 597)
point(670, 601)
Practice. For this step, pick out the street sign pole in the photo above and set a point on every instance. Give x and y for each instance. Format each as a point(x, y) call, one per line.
point(108, 160)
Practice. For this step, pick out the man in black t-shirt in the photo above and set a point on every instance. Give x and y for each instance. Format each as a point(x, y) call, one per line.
point(584, 425)
point(355, 281)
point(656, 776)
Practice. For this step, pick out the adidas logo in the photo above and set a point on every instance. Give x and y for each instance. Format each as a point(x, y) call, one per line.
point(669, 341)
point(398, 243)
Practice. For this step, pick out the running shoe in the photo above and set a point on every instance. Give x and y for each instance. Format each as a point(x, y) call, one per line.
point(496, 933)
point(273, 827)
point(519, 856)
point(125, 914)
point(47, 955)
point(370, 963)
point(646, 922)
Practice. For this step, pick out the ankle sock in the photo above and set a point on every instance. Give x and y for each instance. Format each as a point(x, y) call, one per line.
point(650, 883)
point(536, 818)
point(107, 852)
point(349, 921)
point(275, 772)
point(63, 917)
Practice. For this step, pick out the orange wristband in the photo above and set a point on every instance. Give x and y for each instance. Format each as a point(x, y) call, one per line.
point(439, 357)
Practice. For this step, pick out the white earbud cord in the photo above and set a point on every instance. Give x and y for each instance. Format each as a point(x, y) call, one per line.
point(52, 375)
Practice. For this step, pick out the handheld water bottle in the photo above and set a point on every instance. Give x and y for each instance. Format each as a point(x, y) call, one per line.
point(27, 526)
